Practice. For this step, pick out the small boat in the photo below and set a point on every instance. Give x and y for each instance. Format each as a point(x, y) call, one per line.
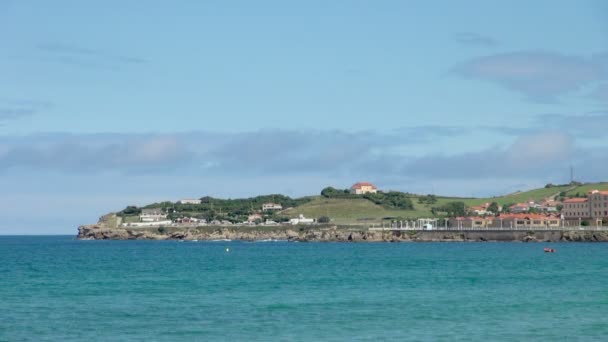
point(549, 250)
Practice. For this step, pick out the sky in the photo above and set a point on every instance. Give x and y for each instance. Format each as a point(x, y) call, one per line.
point(105, 104)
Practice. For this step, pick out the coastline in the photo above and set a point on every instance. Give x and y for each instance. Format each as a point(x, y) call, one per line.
point(335, 234)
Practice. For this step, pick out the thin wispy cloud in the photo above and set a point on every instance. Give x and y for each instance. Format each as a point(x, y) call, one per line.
point(540, 76)
point(282, 153)
point(12, 110)
point(590, 125)
point(529, 156)
point(86, 57)
point(601, 93)
point(475, 39)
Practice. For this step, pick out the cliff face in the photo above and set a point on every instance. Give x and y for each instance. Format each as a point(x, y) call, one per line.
point(99, 232)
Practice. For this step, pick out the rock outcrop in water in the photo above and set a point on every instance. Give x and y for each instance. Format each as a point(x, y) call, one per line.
point(304, 234)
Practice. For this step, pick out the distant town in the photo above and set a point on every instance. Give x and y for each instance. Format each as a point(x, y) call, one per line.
point(559, 207)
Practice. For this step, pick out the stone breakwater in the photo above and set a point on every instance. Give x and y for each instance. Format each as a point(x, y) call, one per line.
point(334, 234)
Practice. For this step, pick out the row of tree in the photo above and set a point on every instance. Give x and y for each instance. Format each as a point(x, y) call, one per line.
point(389, 200)
point(234, 210)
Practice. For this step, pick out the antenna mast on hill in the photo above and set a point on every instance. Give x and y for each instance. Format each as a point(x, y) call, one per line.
point(571, 174)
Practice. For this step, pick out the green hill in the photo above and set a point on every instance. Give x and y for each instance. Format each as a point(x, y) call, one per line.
point(583, 189)
point(344, 208)
point(362, 211)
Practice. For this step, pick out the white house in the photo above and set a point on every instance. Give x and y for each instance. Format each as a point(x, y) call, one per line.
point(152, 215)
point(301, 220)
point(363, 188)
point(189, 201)
point(271, 206)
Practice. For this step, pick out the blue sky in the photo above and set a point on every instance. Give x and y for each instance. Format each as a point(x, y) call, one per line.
point(109, 103)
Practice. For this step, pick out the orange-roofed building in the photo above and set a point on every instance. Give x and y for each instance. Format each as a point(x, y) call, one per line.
point(593, 209)
point(526, 221)
point(363, 188)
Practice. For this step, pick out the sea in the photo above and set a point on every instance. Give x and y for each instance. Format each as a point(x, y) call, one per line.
point(57, 288)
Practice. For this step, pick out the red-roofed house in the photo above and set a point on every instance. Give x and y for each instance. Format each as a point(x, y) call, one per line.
point(519, 208)
point(363, 188)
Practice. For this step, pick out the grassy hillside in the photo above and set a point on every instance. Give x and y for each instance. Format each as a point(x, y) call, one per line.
point(520, 196)
point(360, 210)
point(351, 211)
point(583, 189)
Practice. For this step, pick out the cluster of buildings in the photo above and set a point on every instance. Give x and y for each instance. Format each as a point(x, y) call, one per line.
point(593, 209)
point(156, 217)
point(514, 221)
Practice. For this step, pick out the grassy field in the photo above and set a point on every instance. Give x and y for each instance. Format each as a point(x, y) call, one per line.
point(583, 189)
point(522, 196)
point(350, 211)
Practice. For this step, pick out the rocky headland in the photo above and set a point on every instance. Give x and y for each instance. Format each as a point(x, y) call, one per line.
point(333, 234)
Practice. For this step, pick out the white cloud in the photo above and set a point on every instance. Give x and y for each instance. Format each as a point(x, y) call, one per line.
point(541, 76)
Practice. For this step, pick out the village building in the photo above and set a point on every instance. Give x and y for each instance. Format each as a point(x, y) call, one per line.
point(254, 217)
point(152, 215)
point(189, 220)
point(363, 188)
point(470, 222)
point(593, 209)
point(301, 220)
point(480, 210)
point(549, 206)
point(271, 206)
point(506, 221)
point(523, 220)
point(189, 201)
point(519, 208)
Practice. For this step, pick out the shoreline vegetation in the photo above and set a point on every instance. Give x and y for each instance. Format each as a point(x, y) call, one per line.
point(335, 215)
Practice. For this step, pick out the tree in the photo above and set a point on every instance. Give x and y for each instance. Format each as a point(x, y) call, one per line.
point(428, 199)
point(323, 219)
point(506, 208)
point(130, 210)
point(453, 209)
point(331, 192)
point(493, 207)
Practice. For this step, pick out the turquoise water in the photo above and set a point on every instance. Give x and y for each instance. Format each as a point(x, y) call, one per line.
point(57, 288)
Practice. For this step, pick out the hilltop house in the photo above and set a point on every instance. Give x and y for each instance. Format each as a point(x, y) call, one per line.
point(363, 188)
point(152, 215)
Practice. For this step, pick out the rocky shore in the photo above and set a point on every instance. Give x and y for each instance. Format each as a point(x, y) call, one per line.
point(333, 234)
